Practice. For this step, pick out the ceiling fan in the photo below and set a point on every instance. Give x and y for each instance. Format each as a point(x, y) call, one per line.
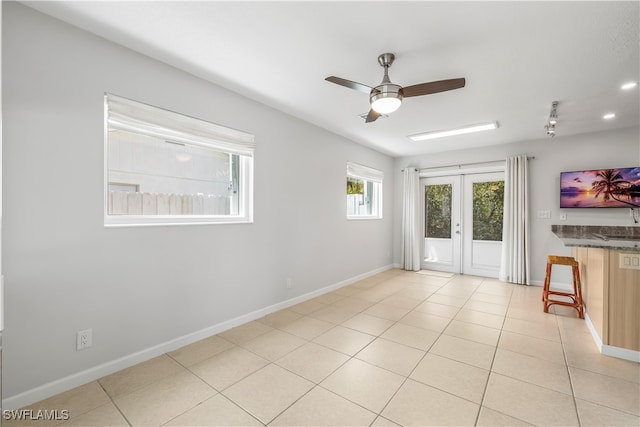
point(387, 97)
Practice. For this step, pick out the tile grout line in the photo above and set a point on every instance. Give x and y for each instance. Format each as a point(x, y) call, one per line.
point(493, 359)
point(318, 384)
point(421, 359)
point(115, 404)
point(352, 357)
point(218, 392)
point(407, 377)
point(566, 364)
point(314, 384)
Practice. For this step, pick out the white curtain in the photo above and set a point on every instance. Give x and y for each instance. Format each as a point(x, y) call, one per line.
point(515, 232)
point(410, 255)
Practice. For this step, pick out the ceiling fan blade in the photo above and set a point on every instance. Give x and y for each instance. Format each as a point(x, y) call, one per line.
point(348, 83)
point(432, 87)
point(372, 116)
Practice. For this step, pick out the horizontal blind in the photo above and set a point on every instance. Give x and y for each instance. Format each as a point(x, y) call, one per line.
point(364, 172)
point(128, 115)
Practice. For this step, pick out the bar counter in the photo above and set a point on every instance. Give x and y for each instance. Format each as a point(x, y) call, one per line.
point(609, 260)
point(599, 236)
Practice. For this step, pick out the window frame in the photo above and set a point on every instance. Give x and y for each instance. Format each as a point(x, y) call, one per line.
point(136, 117)
point(371, 176)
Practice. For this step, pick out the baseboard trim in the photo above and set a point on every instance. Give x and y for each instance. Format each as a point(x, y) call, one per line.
point(69, 382)
point(609, 350)
point(621, 353)
point(593, 331)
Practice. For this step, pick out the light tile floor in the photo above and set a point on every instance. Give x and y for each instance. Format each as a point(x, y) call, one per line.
point(398, 348)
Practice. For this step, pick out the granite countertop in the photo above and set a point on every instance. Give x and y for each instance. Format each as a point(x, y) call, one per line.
point(599, 236)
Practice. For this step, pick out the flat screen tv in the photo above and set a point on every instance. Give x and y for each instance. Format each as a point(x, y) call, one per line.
point(600, 188)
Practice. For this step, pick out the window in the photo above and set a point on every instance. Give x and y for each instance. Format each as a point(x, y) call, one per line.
point(165, 168)
point(364, 192)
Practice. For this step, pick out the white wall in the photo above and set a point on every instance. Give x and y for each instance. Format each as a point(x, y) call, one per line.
point(613, 149)
point(141, 287)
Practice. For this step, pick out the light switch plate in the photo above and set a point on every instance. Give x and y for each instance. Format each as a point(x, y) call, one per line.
point(630, 261)
point(543, 214)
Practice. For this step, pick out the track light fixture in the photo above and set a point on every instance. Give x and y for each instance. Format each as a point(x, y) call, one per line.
point(553, 120)
point(551, 130)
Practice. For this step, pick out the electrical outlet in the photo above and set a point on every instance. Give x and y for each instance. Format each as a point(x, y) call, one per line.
point(289, 285)
point(84, 339)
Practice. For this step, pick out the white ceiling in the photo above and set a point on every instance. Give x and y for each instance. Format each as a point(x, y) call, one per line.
point(517, 57)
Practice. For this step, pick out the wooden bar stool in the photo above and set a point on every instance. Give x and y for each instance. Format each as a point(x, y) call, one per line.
point(575, 296)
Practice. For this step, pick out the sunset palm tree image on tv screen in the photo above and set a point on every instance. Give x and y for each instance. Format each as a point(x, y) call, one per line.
point(600, 188)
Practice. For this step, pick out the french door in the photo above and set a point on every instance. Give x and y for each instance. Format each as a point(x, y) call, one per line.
point(462, 225)
point(441, 226)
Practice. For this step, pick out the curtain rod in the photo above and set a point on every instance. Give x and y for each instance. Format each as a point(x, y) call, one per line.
point(466, 164)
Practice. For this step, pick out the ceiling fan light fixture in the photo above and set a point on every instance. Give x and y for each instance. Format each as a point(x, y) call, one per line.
point(386, 98)
point(386, 105)
point(452, 132)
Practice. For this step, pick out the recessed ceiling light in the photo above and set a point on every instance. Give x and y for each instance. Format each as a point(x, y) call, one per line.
point(451, 132)
point(629, 85)
point(609, 116)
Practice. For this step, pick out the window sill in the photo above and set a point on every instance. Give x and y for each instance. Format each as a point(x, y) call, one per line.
point(114, 221)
